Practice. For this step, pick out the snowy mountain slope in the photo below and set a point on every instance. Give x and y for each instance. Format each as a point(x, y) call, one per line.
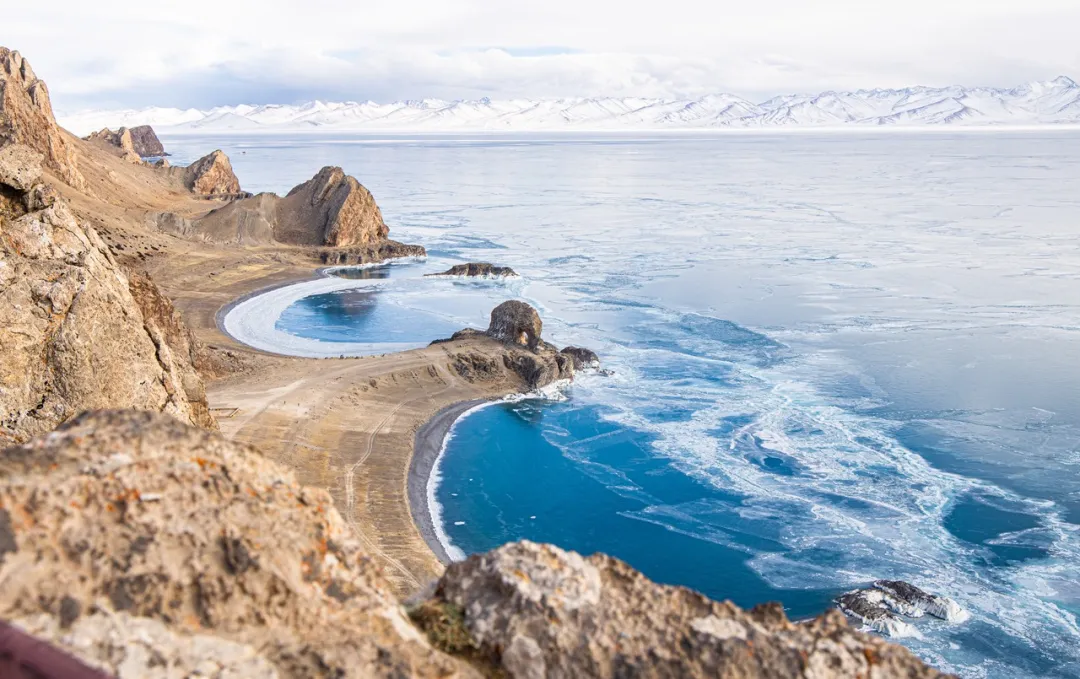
point(1039, 103)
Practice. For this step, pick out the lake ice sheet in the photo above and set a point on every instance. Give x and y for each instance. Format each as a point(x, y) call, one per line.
point(837, 357)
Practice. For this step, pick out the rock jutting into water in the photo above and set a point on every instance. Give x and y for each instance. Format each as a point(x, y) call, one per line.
point(136, 142)
point(880, 606)
point(516, 323)
point(476, 270)
point(583, 358)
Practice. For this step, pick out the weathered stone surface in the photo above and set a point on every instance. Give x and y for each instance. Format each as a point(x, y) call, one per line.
point(538, 611)
point(20, 166)
point(516, 322)
point(26, 117)
point(130, 647)
point(134, 513)
point(212, 175)
point(331, 209)
point(477, 270)
point(146, 143)
point(72, 334)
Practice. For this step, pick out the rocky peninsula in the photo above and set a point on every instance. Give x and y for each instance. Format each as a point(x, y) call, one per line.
point(173, 503)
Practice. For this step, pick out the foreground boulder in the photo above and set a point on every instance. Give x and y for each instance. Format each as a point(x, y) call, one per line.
point(26, 117)
point(535, 611)
point(75, 334)
point(127, 525)
point(476, 270)
point(584, 359)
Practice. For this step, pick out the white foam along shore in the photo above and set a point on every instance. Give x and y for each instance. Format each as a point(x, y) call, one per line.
point(253, 320)
point(447, 551)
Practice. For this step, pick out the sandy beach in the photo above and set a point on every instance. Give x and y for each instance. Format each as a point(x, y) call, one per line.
point(430, 438)
point(347, 425)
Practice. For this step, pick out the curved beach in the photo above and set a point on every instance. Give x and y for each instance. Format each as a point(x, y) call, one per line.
point(349, 425)
point(428, 448)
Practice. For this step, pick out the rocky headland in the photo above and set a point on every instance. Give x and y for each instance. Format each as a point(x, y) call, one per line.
point(143, 542)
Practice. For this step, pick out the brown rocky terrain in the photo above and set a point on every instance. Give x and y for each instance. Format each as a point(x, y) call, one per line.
point(75, 333)
point(26, 117)
point(148, 546)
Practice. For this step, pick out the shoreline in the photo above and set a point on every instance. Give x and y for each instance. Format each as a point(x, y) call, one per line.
point(348, 425)
point(428, 448)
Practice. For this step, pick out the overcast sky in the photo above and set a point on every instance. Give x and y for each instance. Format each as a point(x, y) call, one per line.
point(110, 53)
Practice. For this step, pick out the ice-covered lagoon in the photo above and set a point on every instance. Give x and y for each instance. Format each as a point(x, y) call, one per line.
point(838, 357)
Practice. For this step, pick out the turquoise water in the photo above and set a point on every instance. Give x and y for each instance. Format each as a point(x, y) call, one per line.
point(836, 358)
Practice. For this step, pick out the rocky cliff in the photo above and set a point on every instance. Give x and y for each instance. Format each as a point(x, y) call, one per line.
point(146, 143)
point(332, 212)
point(212, 176)
point(73, 336)
point(26, 117)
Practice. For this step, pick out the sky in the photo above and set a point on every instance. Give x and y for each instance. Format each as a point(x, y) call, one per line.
point(123, 53)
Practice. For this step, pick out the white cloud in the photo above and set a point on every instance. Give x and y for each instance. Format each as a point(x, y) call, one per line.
point(121, 52)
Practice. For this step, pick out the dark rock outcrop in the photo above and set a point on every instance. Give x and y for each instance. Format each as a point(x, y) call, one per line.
point(212, 176)
point(516, 322)
point(146, 142)
point(536, 611)
point(376, 252)
point(477, 270)
point(517, 327)
point(582, 358)
point(73, 336)
point(26, 117)
point(881, 606)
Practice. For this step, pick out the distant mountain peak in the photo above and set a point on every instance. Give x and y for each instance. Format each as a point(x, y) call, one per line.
point(1050, 102)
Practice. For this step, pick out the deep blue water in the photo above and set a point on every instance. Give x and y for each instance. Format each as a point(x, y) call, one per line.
point(836, 358)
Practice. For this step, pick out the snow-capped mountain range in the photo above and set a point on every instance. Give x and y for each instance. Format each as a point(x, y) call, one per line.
point(1052, 102)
